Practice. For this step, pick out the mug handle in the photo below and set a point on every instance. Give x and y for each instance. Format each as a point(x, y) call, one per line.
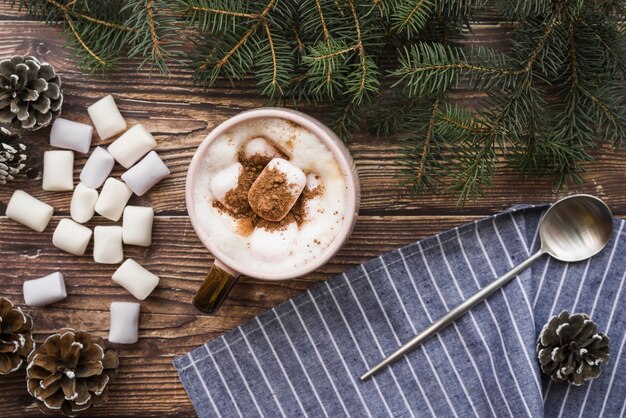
point(216, 286)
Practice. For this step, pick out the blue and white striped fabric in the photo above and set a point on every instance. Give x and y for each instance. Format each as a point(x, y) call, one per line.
point(304, 357)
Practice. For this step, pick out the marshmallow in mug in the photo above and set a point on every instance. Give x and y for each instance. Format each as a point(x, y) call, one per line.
point(145, 174)
point(259, 146)
point(224, 181)
point(83, 203)
point(137, 225)
point(45, 290)
point(29, 211)
point(58, 171)
point(136, 279)
point(106, 117)
point(124, 323)
point(258, 196)
point(97, 168)
point(71, 236)
point(113, 198)
point(71, 135)
point(271, 245)
point(132, 145)
point(107, 245)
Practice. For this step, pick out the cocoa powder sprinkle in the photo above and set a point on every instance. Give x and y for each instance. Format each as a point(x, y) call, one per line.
point(238, 207)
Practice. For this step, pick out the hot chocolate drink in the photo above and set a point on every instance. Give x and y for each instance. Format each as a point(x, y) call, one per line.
point(271, 193)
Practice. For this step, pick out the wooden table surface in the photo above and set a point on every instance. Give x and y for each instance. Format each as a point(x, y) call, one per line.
point(180, 115)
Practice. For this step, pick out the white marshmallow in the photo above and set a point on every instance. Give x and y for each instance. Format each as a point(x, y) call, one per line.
point(137, 225)
point(259, 146)
point(224, 181)
point(221, 152)
point(29, 211)
point(58, 171)
point(107, 244)
point(136, 279)
point(273, 245)
point(132, 145)
point(45, 290)
point(295, 182)
point(113, 198)
point(106, 117)
point(71, 237)
point(124, 323)
point(294, 174)
point(83, 203)
point(71, 135)
point(97, 168)
point(145, 174)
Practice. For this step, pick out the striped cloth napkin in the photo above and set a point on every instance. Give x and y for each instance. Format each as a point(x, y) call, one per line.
point(304, 357)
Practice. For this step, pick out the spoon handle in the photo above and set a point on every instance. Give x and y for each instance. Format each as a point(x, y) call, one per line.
point(448, 318)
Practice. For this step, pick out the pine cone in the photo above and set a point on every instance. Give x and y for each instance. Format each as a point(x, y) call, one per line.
point(12, 155)
point(70, 372)
point(16, 340)
point(30, 93)
point(570, 349)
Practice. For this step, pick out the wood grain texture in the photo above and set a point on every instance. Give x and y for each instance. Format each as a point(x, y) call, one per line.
point(181, 115)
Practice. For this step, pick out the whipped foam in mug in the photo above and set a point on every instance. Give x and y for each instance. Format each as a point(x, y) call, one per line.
point(312, 224)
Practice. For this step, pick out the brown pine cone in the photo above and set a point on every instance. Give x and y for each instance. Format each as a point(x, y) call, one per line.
point(70, 372)
point(30, 93)
point(16, 340)
point(570, 348)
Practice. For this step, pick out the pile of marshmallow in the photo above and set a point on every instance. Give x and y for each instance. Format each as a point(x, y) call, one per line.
point(134, 151)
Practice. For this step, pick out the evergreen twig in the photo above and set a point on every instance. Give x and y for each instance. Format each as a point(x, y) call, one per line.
point(552, 98)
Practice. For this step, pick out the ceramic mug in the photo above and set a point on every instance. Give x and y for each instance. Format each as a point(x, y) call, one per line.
point(226, 270)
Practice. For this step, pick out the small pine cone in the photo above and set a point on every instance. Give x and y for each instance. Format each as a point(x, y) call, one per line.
point(16, 340)
point(570, 349)
point(30, 93)
point(12, 155)
point(70, 372)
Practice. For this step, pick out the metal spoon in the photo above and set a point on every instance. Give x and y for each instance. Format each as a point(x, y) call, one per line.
point(573, 229)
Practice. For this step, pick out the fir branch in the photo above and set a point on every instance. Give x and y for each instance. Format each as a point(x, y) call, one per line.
point(410, 16)
point(326, 34)
point(364, 65)
point(534, 55)
point(222, 61)
point(427, 69)
point(95, 31)
point(348, 116)
point(82, 43)
point(214, 16)
point(68, 11)
point(154, 34)
point(430, 129)
point(554, 96)
point(619, 58)
point(332, 53)
point(391, 114)
point(423, 148)
point(467, 127)
point(194, 9)
point(274, 82)
point(257, 20)
point(274, 63)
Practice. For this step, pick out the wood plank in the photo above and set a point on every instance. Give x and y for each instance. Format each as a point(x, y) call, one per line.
point(169, 325)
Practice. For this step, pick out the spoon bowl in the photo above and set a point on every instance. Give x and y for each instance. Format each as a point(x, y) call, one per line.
point(576, 228)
